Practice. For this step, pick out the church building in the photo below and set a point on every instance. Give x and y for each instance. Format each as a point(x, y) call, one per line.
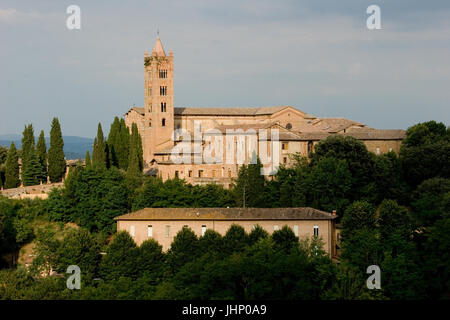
point(164, 128)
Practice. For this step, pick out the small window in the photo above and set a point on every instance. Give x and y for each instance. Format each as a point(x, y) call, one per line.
point(176, 173)
point(163, 107)
point(310, 147)
point(132, 231)
point(296, 230)
point(190, 174)
point(378, 150)
point(203, 230)
point(275, 228)
point(284, 146)
point(390, 149)
point(284, 160)
point(200, 173)
point(163, 90)
point(167, 231)
point(150, 231)
point(288, 126)
point(150, 124)
point(163, 122)
point(316, 231)
point(163, 74)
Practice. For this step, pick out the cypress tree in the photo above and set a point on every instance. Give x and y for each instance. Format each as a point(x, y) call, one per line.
point(123, 149)
point(114, 142)
point(30, 166)
point(88, 159)
point(99, 157)
point(41, 149)
point(135, 161)
point(12, 168)
point(56, 157)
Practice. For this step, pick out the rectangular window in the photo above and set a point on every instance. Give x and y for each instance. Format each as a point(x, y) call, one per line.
point(163, 91)
point(167, 231)
point(203, 230)
point(316, 231)
point(176, 174)
point(200, 173)
point(275, 228)
point(378, 150)
point(284, 160)
point(163, 74)
point(149, 231)
point(190, 174)
point(132, 231)
point(163, 107)
point(284, 146)
point(296, 230)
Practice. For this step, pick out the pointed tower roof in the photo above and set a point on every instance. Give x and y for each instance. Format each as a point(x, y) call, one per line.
point(158, 48)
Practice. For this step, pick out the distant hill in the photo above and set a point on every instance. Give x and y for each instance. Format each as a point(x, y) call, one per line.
point(74, 147)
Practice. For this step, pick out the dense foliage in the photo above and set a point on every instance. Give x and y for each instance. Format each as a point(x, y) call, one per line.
point(394, 212)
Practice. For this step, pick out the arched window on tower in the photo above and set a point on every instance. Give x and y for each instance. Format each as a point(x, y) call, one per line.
point(163, 107)
point(163, 122)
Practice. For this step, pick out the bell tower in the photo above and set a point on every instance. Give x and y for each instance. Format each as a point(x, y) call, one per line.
point(159, 109)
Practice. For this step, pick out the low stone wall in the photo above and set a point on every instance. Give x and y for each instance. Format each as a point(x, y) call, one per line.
point(31, 192)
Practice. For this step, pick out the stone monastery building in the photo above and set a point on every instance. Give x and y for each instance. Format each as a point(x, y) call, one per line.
point(297, 131)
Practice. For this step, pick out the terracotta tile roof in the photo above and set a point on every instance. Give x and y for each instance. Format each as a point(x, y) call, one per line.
point(139, 110)
point(376, 134)
point(228, 111)
point(304, 213)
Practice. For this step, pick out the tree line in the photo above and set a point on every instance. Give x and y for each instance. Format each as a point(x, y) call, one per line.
point(394, 212)
point(36, 162)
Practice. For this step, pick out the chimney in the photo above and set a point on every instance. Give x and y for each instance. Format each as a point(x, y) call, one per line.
point(334, 212)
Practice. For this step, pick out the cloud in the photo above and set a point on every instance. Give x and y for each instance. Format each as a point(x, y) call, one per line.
point(12, 15)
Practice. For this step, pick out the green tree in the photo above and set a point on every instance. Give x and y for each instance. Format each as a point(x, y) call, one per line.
point(88, 159)
point(210, 242)
point(425, 152)
point(359, 236)
point(256, 234)
point(329, 184)
point(114, 142)
point(151, 261)
point(284, 239)
point(99, 153)
point(184, 248)
point(41, 149)
point(135, 160)
point(235, 239)
point(429, 201)
point(78, 248)
point(120, 259)
point(123, 148)
point(3, 156)
point(30, 165)
point(56, 157)
point(12, 168)
point(250, 185)
point(360, 162)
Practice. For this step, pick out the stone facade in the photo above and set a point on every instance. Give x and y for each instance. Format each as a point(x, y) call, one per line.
point(162, 224)
point(298, 131)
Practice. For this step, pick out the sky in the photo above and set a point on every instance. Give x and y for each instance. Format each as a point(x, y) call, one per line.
point(316, 55)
